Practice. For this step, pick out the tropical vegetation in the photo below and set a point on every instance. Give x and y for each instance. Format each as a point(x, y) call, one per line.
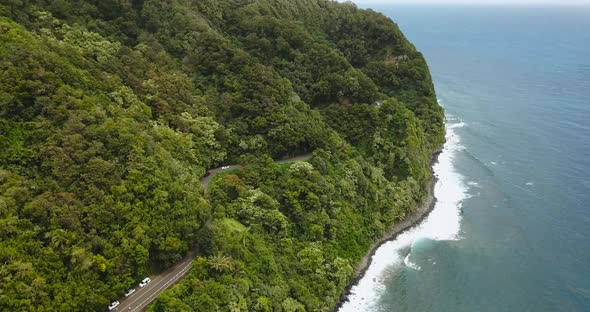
point(111, 111)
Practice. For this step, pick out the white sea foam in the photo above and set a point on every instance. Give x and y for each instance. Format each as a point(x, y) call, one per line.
point(530, 183)
point(410, 264)
point(455, 125)
point(468, 196)
point(443, 223)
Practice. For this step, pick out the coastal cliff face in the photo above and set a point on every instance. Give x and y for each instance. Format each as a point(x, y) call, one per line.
point(111, 111)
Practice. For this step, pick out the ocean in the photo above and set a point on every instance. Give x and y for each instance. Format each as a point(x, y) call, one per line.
point(511, 228)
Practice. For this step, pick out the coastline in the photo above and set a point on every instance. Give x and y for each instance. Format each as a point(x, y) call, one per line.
point(422, 211)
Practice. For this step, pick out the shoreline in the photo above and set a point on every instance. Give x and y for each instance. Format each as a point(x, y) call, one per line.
point(422, 211)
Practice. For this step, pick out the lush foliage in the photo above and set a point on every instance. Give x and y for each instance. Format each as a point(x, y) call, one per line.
point(111, 111)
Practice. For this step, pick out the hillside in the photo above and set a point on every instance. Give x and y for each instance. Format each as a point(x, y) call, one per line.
point(111, 112)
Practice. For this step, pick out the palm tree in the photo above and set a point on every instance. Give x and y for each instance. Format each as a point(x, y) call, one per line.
point(220, 262)
point(58, 238)
point(245, 235)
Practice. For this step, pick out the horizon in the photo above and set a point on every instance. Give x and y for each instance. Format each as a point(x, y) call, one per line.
point(531, 3)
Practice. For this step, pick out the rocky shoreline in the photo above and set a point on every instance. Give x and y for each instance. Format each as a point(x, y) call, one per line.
point(421, 212)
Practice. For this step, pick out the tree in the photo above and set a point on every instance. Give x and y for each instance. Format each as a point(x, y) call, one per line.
point(220, 263)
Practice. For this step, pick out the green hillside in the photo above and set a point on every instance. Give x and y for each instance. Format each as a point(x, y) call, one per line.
point(111, 111)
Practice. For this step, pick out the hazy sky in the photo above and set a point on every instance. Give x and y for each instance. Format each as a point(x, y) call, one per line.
point(480, 2)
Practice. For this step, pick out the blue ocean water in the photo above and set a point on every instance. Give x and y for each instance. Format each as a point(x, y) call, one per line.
point(512, 229)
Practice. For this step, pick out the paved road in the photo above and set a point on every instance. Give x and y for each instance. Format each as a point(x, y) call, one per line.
point(205, 181)
point(142, 297)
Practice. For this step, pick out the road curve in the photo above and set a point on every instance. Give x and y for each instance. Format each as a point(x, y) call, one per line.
point(142, 297)
point(205, 181)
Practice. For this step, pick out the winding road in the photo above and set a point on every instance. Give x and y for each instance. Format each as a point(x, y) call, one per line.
point(205, 181)
point(142, 297)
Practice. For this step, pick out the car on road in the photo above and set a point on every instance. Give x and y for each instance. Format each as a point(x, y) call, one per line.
point(113, 305)
point(225, 167)
point(145, 281)
point(130, 292)
point(208, 173)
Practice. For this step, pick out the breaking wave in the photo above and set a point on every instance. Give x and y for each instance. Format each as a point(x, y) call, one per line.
point(443, 223)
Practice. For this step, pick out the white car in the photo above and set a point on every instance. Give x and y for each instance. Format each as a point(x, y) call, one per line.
point(113, 305)
point(145, 281)
point(225, 167)
point(129, 292)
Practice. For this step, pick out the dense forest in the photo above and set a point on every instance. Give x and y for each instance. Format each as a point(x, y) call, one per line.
point(112, 110)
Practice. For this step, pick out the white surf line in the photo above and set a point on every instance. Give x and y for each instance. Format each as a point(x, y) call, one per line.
point(443, 223)
point(166, 284)
point(411, 265)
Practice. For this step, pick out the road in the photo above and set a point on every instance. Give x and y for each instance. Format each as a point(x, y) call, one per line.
point(205, 181)
point(142, 297)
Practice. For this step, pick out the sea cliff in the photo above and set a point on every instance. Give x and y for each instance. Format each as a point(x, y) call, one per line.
point(111, 112)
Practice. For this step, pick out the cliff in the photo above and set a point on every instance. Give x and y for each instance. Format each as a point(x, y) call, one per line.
point(111, 112)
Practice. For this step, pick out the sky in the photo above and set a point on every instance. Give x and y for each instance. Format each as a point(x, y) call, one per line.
point(477, 2)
